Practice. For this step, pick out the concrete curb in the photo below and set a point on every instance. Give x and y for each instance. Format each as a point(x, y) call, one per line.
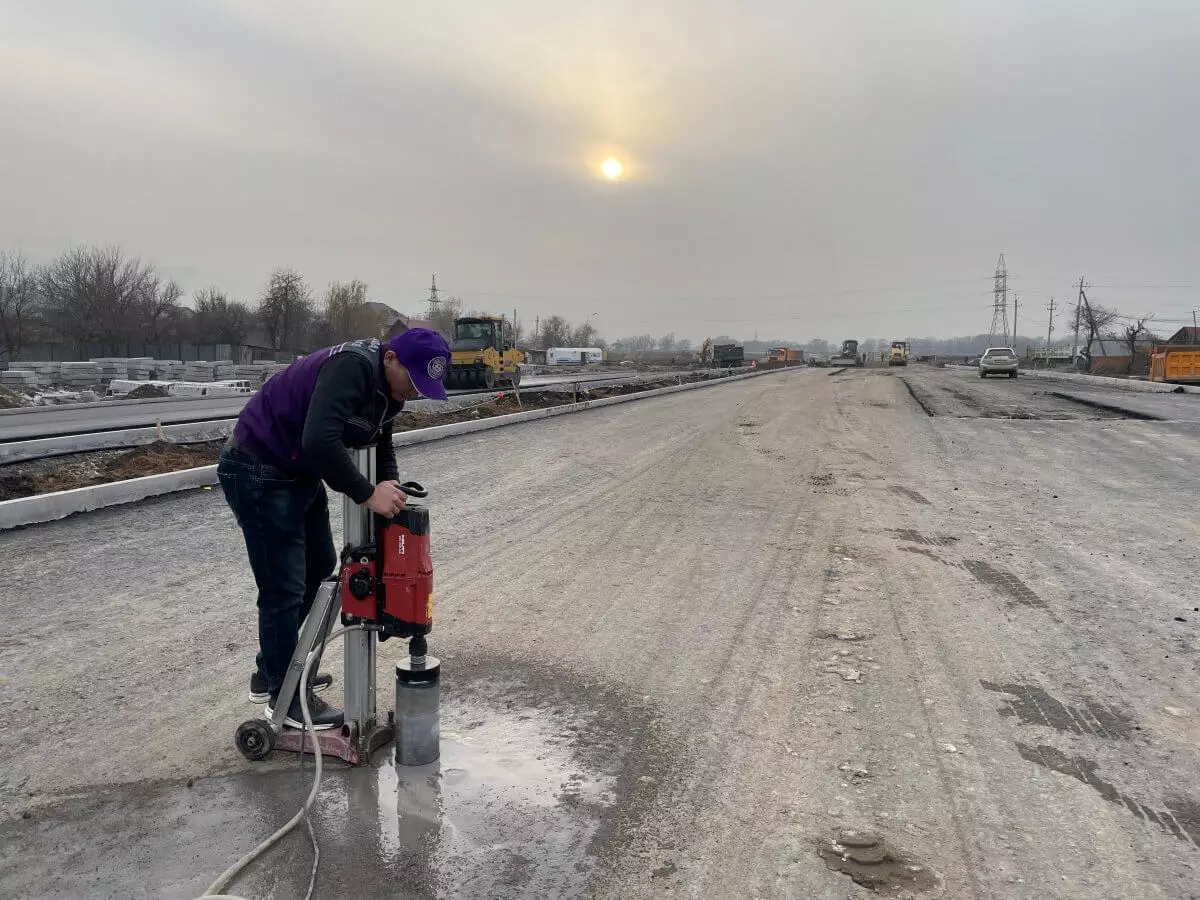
point(42, 448)
point(1102, 381)
point(48, 507)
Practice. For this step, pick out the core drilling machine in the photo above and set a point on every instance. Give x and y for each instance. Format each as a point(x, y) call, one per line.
point(383, 589)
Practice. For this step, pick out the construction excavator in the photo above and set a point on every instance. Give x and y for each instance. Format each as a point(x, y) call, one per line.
point(484, 353)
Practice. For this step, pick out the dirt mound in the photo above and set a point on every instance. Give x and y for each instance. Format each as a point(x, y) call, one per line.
point(146, 391)
point(10, 399)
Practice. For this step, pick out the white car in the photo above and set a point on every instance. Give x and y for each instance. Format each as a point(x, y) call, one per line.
point(998, 361)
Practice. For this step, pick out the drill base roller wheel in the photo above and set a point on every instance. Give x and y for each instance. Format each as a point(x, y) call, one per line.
point(255, 739)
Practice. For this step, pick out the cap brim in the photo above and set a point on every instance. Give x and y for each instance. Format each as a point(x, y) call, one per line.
point(430, 388)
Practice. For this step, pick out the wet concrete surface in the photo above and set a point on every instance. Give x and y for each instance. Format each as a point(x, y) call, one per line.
point(527, 793)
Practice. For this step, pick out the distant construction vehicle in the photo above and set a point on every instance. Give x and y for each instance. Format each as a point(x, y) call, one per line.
point(899, 354)
point(1175, 365)
point(483, 353)
point(785, 355)
point(847, 356)
point(728, 356)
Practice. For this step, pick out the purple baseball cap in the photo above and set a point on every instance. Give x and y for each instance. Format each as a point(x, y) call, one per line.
point(426, 356)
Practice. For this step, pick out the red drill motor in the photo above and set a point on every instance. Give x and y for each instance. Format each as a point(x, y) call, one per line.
point(389, 582)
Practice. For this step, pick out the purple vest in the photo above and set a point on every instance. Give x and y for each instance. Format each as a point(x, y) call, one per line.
point(271, 424)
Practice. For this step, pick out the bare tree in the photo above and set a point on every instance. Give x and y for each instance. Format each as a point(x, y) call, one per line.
point(218, 319)
point(555, 332)
point(347, 312)
point(285, 308)
point(1130, 336)
point(443, 317)
point(18, 301)
point(1096, 320)
point(96, 294)
point(637, 343)
point(584, 335)
point(667, 341)
point(159, 309)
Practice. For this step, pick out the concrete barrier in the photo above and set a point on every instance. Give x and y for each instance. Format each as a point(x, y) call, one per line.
point(48, 507)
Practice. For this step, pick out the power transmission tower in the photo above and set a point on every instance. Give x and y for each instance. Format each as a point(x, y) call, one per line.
point(434, 302)
point(1049, 331)
point(999, 304)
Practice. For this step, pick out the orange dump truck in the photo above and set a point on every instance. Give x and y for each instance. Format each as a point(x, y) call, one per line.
point(784, 355)
point(1175, 365)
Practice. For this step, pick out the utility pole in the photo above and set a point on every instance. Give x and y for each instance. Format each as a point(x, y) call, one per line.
point(999, 304)
point(1079, 311)
point(1015, 304)
point(434, 302)
point(1049, 331)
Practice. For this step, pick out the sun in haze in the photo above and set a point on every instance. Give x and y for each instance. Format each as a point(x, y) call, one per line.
point(611, 168)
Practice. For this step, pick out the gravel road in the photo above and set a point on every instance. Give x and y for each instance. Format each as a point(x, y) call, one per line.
point(686, 640)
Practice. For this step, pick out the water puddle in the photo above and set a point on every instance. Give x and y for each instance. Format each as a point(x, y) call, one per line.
point(507, 811)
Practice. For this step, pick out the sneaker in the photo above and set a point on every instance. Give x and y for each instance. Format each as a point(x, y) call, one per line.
point(324, 716)
point(260, 694)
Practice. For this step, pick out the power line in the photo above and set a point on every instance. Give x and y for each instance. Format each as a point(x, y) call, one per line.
point(740, 297)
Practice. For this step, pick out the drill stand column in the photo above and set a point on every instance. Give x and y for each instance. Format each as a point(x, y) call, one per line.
point(359, 661)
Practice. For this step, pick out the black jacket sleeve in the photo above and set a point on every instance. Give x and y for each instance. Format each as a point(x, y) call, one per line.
point(385, 459)
point(345, 383)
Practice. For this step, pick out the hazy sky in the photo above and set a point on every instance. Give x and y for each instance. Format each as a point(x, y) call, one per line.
point(796, 169)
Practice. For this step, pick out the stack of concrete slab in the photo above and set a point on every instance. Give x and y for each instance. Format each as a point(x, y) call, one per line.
point(253, 374)
point(230, 388)
point(47, 372)
point(141, 368)
point(223, 370)
point(20, 379)
point(198, 371)
point(112, 367)
point(80, 374)
point(168, 369)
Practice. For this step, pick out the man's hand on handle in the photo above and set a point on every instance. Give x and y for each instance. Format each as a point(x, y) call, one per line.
point(387, 500)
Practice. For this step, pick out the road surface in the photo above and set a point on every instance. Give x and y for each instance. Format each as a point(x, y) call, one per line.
point(50, 421)
point(685, 641)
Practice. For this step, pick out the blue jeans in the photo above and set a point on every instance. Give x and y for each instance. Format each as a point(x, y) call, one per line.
point(285, 522)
